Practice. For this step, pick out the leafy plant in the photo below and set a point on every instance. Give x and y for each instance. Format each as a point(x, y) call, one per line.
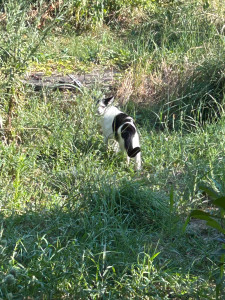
point(216, 221)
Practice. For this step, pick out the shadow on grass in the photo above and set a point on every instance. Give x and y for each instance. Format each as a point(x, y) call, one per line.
point(112, 240)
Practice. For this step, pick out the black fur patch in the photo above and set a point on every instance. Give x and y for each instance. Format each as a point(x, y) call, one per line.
point(107, 100)
point(127, 132)
point(119, 120)
point(134, 152)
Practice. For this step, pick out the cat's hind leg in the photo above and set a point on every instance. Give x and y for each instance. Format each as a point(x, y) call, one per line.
point(138, 161)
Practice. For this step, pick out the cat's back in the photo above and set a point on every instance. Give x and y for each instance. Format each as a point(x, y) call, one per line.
point(111, 113)
point(108, 119)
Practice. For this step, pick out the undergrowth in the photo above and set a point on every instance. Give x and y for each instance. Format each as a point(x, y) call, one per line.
point(75, 221)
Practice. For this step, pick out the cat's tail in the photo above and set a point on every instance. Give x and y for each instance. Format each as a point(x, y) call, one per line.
point(129, 134)
point(133, 152)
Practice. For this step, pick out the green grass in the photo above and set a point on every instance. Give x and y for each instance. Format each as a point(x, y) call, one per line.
point(75, 221)
point(73, 226)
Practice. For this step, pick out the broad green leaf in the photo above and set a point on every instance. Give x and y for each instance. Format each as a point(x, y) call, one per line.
point(198, 214)
point(220, 202)
point(216, 225)
point(209, 190)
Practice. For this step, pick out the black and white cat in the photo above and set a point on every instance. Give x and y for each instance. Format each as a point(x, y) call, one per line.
point(119, 126)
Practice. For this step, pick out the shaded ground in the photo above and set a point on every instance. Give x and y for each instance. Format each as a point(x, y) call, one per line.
point(104, 78)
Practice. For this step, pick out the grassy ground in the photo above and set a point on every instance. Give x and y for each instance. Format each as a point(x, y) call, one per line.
point(76, 222)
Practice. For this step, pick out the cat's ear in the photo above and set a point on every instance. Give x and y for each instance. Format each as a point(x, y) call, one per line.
point(108, 101)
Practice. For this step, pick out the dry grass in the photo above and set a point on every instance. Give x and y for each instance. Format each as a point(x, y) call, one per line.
point(153, 88)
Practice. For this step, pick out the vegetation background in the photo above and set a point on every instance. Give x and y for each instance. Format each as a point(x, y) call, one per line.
point(76, 222)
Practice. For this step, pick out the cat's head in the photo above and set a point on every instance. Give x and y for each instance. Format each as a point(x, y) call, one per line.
point(104, 104)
